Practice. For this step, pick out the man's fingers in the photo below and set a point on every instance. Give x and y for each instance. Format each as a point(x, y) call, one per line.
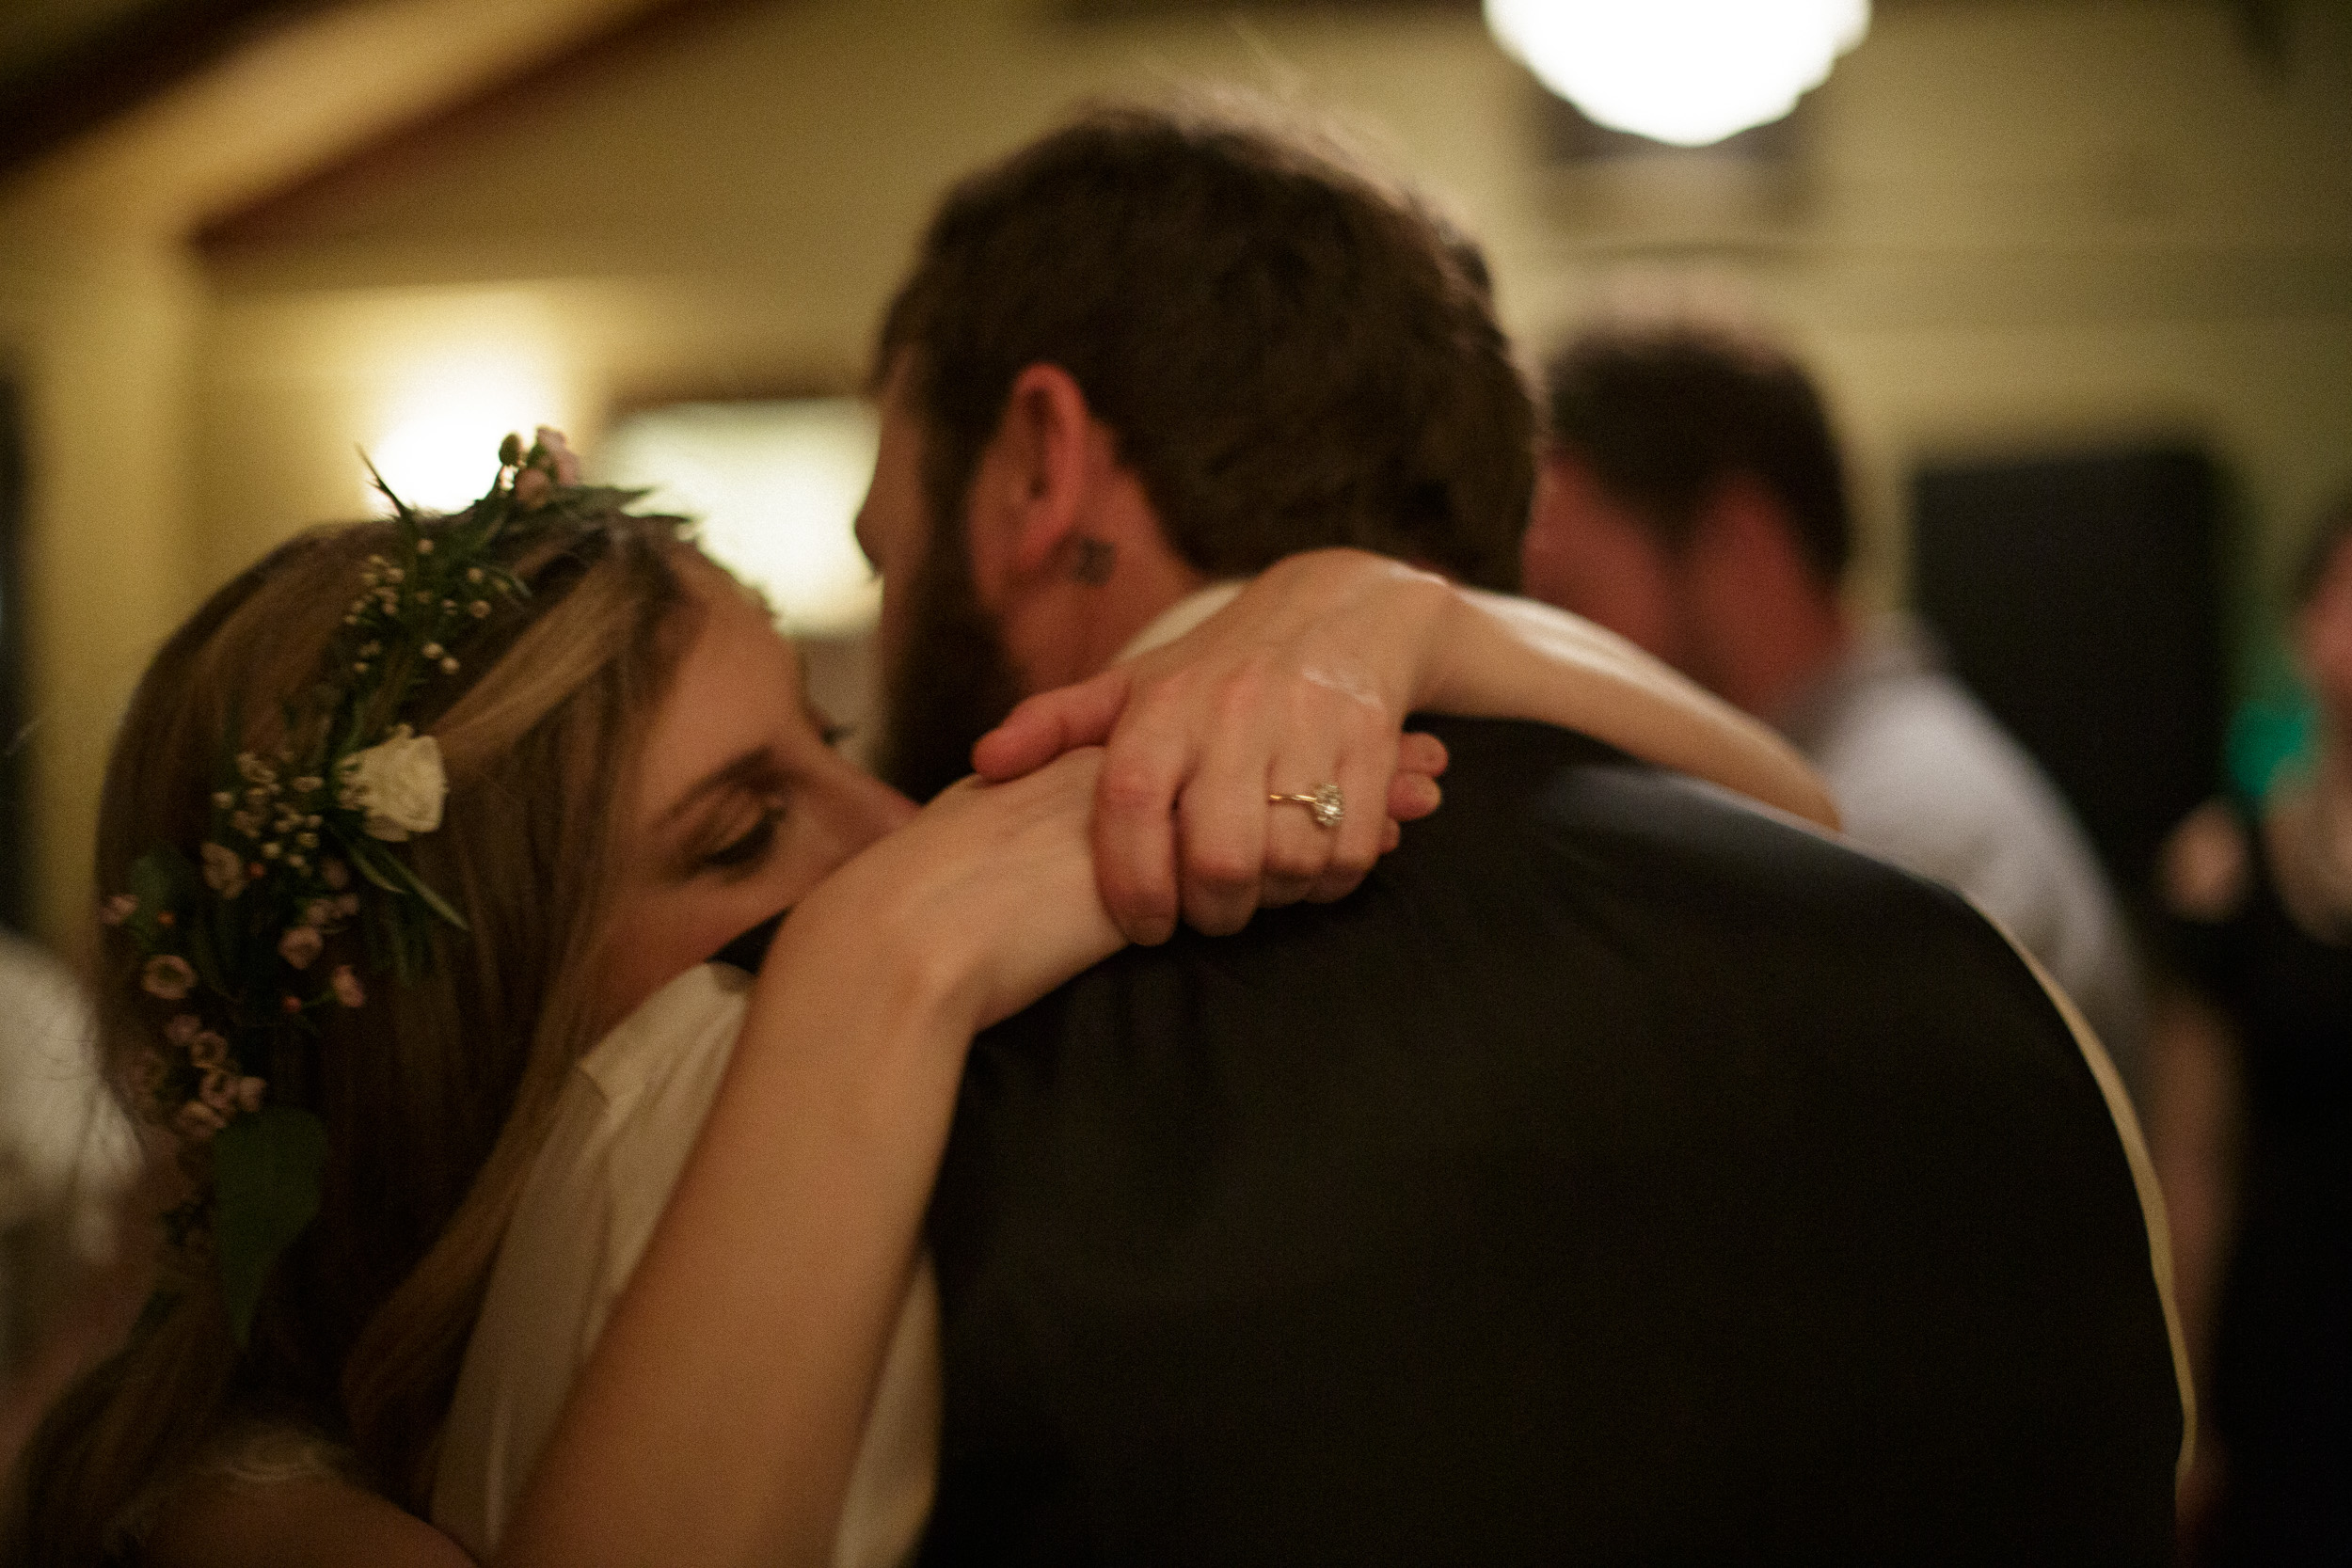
point(1052, 722)
point(1418, 751)
point(1412, 797)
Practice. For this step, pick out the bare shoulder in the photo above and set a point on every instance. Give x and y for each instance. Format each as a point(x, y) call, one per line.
point(310, 1523)
point(2206, 867)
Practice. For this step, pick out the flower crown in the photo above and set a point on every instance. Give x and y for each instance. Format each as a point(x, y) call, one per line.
point(243, 945)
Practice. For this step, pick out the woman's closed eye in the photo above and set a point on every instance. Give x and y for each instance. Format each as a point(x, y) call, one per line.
point(750, 845)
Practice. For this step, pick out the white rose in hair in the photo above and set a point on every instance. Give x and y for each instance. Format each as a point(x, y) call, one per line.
point(398, 782)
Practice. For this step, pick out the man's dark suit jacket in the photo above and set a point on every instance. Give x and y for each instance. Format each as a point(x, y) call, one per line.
point(1620, 1176)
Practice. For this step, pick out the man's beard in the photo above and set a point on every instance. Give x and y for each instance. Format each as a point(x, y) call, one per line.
point(950, 682)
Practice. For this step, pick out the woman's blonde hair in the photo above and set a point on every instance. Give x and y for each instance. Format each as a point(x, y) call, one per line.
point(436, 1094)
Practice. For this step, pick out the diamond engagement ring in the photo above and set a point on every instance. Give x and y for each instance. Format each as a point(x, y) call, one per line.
point(1325, 805)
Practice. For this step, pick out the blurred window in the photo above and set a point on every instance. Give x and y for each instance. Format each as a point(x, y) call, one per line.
point(776, 486)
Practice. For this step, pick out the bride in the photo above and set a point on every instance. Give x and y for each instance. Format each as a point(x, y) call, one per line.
point(412, 813)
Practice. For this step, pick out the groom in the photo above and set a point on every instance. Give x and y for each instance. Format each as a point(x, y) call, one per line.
point(1620, 1174)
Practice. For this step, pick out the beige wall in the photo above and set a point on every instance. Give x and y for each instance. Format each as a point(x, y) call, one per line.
point(2016, 224)
point(101, 335)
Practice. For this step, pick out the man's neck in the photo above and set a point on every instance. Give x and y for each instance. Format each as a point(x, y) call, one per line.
point(1065, 629)
point(1182, 616)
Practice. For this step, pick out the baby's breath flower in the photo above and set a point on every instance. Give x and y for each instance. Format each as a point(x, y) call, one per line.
point(208, 1050)
point(116, 910)
point(300, 945)
point(198, 1122)
point(224, 868)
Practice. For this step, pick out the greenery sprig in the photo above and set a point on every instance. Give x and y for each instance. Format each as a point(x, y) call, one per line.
point(299, 897)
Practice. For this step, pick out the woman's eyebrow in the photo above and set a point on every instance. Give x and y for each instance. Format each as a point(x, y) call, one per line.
point(753, 769)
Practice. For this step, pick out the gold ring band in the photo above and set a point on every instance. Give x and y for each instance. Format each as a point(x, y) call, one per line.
point(1324, 804)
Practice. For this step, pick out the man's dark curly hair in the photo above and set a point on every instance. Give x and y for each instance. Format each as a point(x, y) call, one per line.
point(1290, 351)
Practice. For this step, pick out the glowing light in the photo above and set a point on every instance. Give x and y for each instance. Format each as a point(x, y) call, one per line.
point(1686, 72)
point(442, 428)
point(777, 487)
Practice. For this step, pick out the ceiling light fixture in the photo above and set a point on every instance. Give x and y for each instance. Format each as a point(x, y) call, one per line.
point(1685, 71)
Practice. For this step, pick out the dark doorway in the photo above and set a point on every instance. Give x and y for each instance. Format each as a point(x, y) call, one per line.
point(2079, 598)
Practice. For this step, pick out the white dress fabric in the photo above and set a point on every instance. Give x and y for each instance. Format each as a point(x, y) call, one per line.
point(624, 1126)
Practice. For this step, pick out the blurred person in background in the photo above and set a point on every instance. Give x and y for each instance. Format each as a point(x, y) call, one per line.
point(68, 1271)
point(2252, 1118)
point(1692, 499)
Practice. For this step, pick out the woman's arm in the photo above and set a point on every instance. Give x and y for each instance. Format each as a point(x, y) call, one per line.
point(718, 1420)
point(1307, 678)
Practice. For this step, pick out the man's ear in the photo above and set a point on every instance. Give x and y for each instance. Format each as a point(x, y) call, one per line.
point(1038, 470)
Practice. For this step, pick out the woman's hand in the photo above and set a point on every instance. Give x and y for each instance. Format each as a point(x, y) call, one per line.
point(983, 903)
point(1303, 680)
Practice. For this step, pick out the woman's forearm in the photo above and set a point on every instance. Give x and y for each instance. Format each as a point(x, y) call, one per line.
point(718, 1418)
point(1508, 658)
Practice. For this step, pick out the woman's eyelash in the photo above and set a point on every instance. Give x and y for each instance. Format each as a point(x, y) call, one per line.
point(753, 843)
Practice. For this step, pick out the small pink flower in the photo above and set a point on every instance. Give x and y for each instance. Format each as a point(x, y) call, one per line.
point(182, 1028)
point(531, 487)
point(249, 1092)
point(167, 975)
point(209, 1050)
point(320, 911)
point(198, 1121)
point(559, 451)
point(348, 991)
point(220, 1092)
point(115, 911)
point(336, 874)
point(347, 905)
point(300, 945)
